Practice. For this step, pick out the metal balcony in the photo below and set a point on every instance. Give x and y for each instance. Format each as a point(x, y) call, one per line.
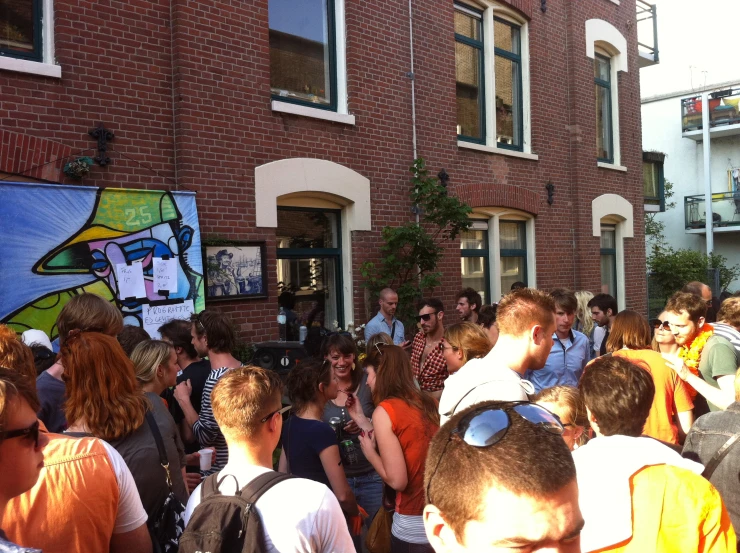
point(725, 212)
point(724, 115)
point(647, 34)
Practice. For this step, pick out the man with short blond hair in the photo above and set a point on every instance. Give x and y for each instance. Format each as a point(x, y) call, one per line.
point(297, 514)
point(526, 323)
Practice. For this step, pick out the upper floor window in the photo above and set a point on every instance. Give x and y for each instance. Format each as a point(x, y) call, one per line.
point(21, 29)
point(303, 52)
point(492, 79)
point(653, 181)
point(604, 129)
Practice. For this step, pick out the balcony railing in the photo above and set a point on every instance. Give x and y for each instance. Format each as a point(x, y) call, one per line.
point(647, 33)
point(725, 210)
point(724, 109)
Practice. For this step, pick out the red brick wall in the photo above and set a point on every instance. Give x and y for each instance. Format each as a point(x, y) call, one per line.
point(185, 87)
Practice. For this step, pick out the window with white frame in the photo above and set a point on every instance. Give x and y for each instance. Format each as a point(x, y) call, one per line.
point(492, 76)
point(604, 127)
point(608, 253)
point(27, 37)
point(497, 251)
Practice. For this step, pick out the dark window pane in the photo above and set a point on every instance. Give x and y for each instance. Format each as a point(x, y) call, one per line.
point(602, 69)
point(508, 110)
point(608, 239)
point(609, 274)
point(17, 26)
point(603, 123)
point(650, 180)
point(512, 236)
point(506, 37)
point(512, 270)
point(300, 50)
point(474, 274)
point(313, 284)
point(469, 90)
point(307, 229)
point(473, 240)
point(467, 25)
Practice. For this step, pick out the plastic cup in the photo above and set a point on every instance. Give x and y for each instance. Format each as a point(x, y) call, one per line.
point(205, 459)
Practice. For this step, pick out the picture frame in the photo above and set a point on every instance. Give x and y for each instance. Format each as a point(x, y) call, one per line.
point(234, 270)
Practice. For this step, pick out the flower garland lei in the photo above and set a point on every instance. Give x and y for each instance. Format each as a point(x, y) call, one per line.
point(691, 353)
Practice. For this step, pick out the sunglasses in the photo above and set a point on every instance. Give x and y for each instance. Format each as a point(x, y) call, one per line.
point(425, 317)
point(281, 411)
point(32, 433)
point(487, 426)
point(657, 323)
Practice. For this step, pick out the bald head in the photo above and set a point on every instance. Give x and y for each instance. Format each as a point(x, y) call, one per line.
point(698, 289)
point(388, 302)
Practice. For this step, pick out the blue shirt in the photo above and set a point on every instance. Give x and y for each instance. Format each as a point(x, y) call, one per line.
point(564, 365)
point(378, 324)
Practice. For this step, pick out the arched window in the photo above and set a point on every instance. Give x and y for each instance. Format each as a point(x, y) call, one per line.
point(612, 222)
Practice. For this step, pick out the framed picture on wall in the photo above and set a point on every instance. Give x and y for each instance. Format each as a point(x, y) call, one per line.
point(235, 270)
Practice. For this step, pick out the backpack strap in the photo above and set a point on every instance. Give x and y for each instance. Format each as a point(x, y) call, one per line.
point(212, 483)
point(160, 446)
point(257, 487)
point(719, 455)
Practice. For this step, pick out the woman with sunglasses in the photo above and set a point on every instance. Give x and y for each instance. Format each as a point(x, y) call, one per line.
point(105, 400)
point(630, 338)
point(310, 448)
point(396, 440)
point(663, 339)
point(462, 342)
point(340, 352)
point(566, 403)
point(21, 444)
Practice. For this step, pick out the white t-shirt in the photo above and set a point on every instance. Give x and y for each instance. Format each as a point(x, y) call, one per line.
point(481, 380)
point(298, 515)
point(131, 513)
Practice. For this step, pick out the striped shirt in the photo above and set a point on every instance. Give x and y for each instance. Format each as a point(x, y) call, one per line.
point(206, 428)
point(729, 333)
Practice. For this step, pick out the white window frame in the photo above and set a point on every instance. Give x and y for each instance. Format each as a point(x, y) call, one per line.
point(604, 39)
point(494, 215)
point(613, 209)
point(490, 10)
point(341, 115)
point(47, 67)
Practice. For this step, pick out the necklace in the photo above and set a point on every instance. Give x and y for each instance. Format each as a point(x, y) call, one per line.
point(691, 353)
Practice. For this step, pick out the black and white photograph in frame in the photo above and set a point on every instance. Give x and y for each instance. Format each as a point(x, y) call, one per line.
point(235, 270)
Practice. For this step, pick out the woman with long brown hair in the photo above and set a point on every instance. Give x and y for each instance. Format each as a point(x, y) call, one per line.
point(105, 400)
point(396, 440)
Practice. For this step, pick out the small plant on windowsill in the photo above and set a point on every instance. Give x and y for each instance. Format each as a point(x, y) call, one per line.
point(78, 168)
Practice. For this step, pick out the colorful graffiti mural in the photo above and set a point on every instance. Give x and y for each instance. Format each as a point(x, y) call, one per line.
point(60, 241)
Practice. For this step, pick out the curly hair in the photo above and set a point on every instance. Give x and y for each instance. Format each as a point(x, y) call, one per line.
point(16, 355)
point(304, 379)
point(102, 391)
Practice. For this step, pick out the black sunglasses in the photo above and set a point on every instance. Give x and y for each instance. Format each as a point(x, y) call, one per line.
point(32, 432)
point(425, 317)
point(486, 426)
point(657, 323)
point(281, 411)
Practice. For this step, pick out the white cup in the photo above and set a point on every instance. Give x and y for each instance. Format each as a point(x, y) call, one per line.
point(205, 459)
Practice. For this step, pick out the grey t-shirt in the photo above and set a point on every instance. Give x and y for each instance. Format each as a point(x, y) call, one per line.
point(365, 396)
point(719, 358)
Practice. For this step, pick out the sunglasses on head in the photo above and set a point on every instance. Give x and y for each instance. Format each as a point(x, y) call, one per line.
point(425, 317)
point(281, 411)
point(487, 426)
point(657, 323)
point(32, 433)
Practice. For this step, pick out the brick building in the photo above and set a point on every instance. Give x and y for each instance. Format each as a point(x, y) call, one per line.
point(295, 122)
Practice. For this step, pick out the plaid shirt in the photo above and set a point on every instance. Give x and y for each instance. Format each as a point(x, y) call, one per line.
point(433, 374)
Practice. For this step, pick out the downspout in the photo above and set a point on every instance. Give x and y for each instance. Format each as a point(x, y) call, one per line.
point(412, 76)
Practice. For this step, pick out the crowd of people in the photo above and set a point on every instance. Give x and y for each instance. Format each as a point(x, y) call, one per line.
point(550, 421)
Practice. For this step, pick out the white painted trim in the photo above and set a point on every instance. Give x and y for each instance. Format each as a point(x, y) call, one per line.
point(340, 38)
point(615, 2)
point(608, 36)
point(33, 67)
point(612, 205)
point(619, 259)
point(315, 113)
point(47, 32)
point(611, 166)
point(496, 150)
point(651, 208)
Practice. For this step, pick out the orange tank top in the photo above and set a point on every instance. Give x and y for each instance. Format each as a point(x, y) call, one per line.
point(414, 432)
point(73, 505)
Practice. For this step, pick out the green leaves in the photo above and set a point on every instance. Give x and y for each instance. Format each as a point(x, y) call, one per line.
point(672, 269)
point(411, 252)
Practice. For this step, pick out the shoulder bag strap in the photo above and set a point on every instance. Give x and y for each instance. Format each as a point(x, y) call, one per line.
point(160, 446)
point(257, 487)
point(721, 452)
point(393, 332)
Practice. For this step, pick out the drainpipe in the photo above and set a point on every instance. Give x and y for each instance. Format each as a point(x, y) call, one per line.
point(707, 172)
point(413, 79)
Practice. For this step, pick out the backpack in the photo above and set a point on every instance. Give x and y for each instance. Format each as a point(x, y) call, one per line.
point(228, 523)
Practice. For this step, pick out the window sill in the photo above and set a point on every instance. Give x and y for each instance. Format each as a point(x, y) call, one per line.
point(315, 113)
point(611, 166)
point(496, 150)
point(32, 67)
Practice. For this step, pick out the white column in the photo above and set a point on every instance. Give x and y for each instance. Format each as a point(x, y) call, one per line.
point(707, 172)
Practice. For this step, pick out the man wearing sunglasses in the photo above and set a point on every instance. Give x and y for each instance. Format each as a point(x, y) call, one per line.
point(499, 477)
point(427, 360)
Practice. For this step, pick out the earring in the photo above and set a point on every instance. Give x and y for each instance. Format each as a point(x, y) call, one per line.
point(353, 366)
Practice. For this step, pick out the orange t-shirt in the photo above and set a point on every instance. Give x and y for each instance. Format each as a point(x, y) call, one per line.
point(671, 394)
point(673, 510)
point(74, 503)
point(414, 432)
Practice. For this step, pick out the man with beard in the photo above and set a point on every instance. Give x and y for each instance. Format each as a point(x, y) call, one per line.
point(706, 361)
point(427, 360)
point(385, 320)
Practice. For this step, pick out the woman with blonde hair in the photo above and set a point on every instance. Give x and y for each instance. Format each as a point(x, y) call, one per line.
point(463, 342)
point(155, 362)
point(584, 322)
point(105, 400)
point(567, 404)
point(663, 339)
point(396, 440)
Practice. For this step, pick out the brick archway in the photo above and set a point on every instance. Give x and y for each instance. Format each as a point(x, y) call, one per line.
point(499, 195)
point(34, 158)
